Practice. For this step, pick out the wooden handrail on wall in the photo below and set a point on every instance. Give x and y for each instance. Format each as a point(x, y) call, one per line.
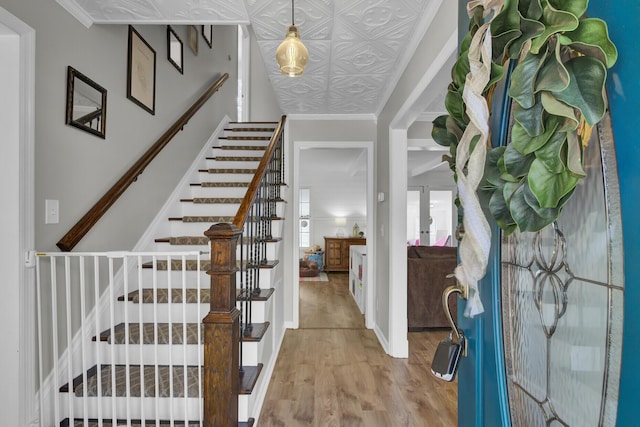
point(82, 227)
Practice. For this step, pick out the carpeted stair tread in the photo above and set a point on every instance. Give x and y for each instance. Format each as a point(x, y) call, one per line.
point(192, 264)
point(162, 296)
point(229, 170)
point(164, 389)
point(202, 240)
point(220, 184)
point(93, 422)
point(246, 138)
point(235, 158)
point(254, 333)
point(162, 333)
point(248, 377)
point(213, 219)
point(241, 147)
point(184, 240)
point(212, 200)
point(190, 295)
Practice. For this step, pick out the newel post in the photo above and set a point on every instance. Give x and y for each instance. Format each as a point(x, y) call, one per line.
point(222, 331)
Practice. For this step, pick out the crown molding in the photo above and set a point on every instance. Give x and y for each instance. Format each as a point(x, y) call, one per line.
point(367, 117)
point(77, 12)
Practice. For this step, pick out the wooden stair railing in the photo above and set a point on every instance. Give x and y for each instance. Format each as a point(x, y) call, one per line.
point(82, 227)
point(222, 326)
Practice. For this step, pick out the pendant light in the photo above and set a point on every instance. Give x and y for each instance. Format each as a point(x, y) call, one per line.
point(291, 55)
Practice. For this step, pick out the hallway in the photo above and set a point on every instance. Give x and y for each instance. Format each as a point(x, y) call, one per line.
point(333, 372)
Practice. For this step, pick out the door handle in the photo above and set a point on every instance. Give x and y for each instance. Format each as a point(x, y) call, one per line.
point(464, 294)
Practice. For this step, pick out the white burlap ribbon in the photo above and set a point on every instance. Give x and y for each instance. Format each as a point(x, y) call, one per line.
point(476, 243)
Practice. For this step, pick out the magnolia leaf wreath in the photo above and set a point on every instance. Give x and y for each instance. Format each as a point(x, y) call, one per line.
point(557, 88)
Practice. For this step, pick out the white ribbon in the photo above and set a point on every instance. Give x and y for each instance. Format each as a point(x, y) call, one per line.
point(476, 243)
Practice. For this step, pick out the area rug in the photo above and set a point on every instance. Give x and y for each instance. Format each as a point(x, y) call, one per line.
point(322, 277)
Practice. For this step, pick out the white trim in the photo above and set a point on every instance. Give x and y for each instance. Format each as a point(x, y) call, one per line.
point(268, 372)
point(77, 12)
point(371, 224)
point(382, 339)
point(424, 25)
point(398, 343)
point(27, 411)
point(244, 73)
point(429, 116)
point(405, 115)
point(369, 117)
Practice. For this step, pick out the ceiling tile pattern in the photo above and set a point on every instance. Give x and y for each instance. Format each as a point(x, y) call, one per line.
point(357, 48)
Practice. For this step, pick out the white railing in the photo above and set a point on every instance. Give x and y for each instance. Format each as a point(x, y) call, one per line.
point(120, 319)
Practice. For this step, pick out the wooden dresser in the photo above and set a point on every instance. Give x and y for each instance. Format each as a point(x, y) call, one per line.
point(336, 252)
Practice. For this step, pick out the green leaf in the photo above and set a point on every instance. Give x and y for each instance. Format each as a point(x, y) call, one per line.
point(439, 132)
point(592, 38)
point(491, 170)
point(555, 21)
point(501, 213)
point(515, 163)
point(529, 28)
point(530, 9)
point(526, 144)
point(575, 155)
point(558, 108)
point(576, 7)
point(587, 76)
point(454, 104)
point(505, 28)
point(454, 128)
point(527, 218)
point(553, 75)
point(523, 79)
point(549, 188)
point(531, 118)
point(551, 153)
point(460, 69)
point(497, 72)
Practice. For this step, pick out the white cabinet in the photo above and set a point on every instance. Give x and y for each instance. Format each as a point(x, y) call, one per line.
point(358, 274)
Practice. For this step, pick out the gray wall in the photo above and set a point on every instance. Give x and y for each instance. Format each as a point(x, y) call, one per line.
point(76, 167)
point(430, 45)
point(263, 104)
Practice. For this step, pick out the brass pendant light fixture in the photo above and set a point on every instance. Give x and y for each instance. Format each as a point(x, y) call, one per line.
point(292, 55)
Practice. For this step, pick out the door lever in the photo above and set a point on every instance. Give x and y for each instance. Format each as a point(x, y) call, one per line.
point(464, 294)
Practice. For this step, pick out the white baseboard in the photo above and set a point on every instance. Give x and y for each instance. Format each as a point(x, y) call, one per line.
point(381, 338)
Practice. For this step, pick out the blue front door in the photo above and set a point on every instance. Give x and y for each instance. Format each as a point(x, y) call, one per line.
point(483, 390)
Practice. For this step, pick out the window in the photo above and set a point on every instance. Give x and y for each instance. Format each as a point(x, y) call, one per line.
point(304, 221)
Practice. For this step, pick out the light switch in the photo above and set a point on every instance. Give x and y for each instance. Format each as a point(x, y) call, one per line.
point(52, 211)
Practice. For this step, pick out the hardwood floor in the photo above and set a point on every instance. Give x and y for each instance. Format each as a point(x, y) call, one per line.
point(333, 372)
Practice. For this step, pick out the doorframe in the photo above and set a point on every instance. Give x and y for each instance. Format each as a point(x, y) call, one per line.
point(371, 225)
point(24, 243)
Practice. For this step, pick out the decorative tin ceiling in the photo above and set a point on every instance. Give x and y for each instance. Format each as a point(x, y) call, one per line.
point(357, 48)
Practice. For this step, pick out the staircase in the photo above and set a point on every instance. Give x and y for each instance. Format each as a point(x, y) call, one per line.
point(146, 366)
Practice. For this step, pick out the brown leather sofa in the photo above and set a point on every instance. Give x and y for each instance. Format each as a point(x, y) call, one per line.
point(427, 270)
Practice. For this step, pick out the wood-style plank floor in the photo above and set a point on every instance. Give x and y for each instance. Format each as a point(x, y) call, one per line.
point(333, 372)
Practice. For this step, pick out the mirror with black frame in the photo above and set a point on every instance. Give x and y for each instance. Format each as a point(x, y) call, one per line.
point(175, 49)
point(86, 103)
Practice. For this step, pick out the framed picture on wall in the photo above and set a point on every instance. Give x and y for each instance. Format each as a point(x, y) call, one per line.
point(193, 38)
point(175, 53)
point(207, 35)
point(141, 72)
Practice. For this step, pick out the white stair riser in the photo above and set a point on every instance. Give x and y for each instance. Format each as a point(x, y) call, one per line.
point(217, 192)
point(174, 354)
point(272, 249)
point(232, 164)
point(224, 177)
point(241, 142)
point(218, 209)
point(166, 312)
point(179, 228)
point(175, 278)
point(147, 408)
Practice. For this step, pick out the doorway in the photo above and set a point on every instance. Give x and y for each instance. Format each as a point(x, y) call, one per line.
point(361, 153)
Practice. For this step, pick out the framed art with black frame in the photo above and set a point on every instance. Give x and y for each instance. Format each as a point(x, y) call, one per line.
point(141, 72)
